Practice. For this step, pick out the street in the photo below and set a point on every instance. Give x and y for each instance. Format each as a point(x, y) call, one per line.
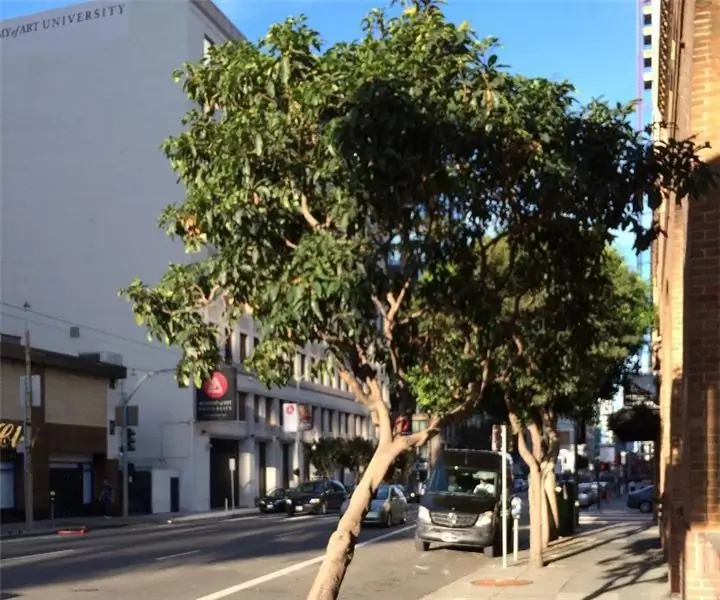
point(252, 558)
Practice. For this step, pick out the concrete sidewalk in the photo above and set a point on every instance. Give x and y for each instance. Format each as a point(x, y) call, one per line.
point(616, 556)
point(46, 527)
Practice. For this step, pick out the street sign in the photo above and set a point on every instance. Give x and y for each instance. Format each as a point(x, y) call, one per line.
point(217, 386)
point(232, 464)
point(133, 415)
point(35, 387)
point(217, 399)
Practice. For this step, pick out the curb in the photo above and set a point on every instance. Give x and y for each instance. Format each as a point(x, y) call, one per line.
point(154, 521)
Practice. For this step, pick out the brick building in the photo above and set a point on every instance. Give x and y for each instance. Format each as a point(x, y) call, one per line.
point(686, 288)
point(72, 402)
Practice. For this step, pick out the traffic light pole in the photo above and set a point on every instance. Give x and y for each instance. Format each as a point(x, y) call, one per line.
point(124, 459)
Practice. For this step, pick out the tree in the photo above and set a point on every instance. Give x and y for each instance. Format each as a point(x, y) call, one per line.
point(569, 367)
point(639, 423)
point(341, 195)
point(355, 453)
point(325, 456)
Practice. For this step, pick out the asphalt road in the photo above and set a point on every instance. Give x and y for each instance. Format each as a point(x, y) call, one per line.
point(252, 558)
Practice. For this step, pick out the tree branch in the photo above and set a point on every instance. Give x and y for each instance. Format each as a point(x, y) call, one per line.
point(305, 211)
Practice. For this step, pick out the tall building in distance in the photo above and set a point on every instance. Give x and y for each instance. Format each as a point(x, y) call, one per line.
point(88, 97)
point(685, 87)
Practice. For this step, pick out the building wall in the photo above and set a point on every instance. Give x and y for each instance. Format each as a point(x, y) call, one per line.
point(686, 270)
point(87, 99)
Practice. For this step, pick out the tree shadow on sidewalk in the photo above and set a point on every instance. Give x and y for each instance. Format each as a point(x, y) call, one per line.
point(631, 567)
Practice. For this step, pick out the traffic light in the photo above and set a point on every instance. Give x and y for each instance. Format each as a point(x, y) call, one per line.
point(130, 440)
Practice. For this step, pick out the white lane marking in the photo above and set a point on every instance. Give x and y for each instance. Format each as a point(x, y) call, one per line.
point(178, 555)
point(292, 568)
point(41, 556)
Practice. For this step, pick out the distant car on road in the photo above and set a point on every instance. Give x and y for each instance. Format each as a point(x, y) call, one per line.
point(587, 495)
point(388, 506)
point(273, 501)
point(318, 497)
point(410, 495)
point(642, 500)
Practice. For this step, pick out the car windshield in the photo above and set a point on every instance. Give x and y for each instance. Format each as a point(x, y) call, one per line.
point(310, 487)
point(382, 493)
point(277, 493)
point(464, 480)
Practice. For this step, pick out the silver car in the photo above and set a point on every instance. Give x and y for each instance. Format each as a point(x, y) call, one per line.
point(388, 506)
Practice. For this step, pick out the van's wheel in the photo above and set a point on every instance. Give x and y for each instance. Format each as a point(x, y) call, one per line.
point(421, 546)
point(404, 518)
point(388, 520)
point(490, 551)
point(645, 507)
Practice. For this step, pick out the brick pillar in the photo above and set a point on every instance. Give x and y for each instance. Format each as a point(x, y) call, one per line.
point(701, 347)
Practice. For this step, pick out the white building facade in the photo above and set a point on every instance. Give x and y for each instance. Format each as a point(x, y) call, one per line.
point(86, 99)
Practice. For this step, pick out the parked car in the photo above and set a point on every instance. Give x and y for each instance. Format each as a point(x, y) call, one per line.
point(410, 495)
point(642, 500)
point(273, 501)
point(520, 485)
point(587, 495)
point(387, 507)
point(319, 496)
point(462, 504)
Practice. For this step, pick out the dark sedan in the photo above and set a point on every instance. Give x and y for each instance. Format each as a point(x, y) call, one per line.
point(642, 500)
point(315, 497)
point(272, 502)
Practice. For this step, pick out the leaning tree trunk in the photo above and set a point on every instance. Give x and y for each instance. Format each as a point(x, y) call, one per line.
point(535, 497)
point(340, 548)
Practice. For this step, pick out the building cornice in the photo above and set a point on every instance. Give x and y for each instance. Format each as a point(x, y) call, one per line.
point(663, 80)
point(211, 12)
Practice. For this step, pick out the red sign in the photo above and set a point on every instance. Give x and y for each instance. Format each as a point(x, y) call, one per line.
point(216, 387)
point(289, 408)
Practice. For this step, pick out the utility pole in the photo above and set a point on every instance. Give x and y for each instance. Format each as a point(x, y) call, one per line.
point(27, 426)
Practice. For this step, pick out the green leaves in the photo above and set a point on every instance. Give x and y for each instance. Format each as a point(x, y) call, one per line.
point(405, 207)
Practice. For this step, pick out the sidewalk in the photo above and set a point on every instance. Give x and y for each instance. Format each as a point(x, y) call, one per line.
point(616, 556)
point(8, 530)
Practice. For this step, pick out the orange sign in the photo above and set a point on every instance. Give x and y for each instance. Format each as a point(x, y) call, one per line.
point(10, 435)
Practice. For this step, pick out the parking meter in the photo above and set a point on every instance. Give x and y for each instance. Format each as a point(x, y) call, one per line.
point(52, 505)
point(515, 510)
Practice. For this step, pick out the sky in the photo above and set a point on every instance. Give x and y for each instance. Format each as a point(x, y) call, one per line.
point(592, 43)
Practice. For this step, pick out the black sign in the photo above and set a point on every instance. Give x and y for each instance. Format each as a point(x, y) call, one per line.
point(71, 18)
point(217, 399)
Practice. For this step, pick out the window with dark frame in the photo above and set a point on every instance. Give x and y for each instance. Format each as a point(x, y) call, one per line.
point(269, 419)
point(243, 347)
point(228, 349)
point(242, 401)
point(256, 409)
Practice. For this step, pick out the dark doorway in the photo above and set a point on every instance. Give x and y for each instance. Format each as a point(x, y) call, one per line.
point(174, 494)
point(140, 492)
point(286, 465)
point(67, 483)
point(262, 468)
point(221, 451)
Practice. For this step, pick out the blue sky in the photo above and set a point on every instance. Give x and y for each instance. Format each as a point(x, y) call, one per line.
point(590, 42)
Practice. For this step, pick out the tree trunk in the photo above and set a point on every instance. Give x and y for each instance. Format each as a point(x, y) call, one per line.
point(341, 546)
point(535, 498)
point(551, 514)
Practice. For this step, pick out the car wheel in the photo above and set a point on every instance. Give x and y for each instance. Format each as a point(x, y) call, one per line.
point(490, 551)
point(388, 519)
point(404, 518)
point(646, 507)
point(421, 546)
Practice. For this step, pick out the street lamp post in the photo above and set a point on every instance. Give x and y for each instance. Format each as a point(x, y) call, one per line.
point(124, 403)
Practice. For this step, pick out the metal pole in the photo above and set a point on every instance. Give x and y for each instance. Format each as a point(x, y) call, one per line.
point(232, 488)
point(125, 461)
point(27, 427)
point(504, 497)
point(516, 538)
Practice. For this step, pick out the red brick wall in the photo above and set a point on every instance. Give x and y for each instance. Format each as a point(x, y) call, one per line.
point(687, 288)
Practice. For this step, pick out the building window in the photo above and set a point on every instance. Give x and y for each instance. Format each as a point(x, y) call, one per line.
point(347, 423)
point(243, 347)
point(228, 349)
point(256, 343)
point(323, 417)
point(242, 406)
point(256, 409)
point(647, 19)
point(331, 419)
point(269, 416)
point(303, 366)
point(207, 44)
point(7, 485)
point(87, 474)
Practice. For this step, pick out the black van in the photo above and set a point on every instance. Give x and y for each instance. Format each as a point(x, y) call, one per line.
point(461, 504)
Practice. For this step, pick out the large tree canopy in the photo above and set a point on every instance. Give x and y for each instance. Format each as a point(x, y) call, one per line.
point(363, 198)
